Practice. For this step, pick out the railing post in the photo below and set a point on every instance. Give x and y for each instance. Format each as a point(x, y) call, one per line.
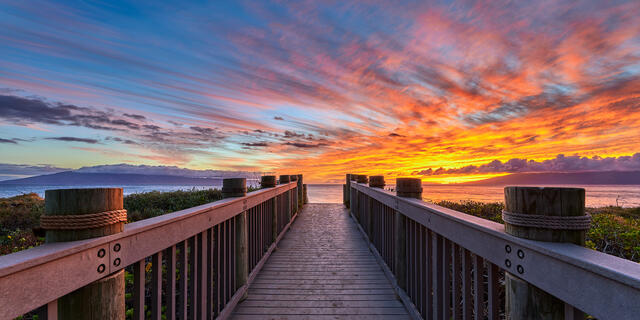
point(294, 207)
point(305, 199)
point(361, 178)
point(102, 299)
point(352, 194)
point(283, 180)
point(374, 182)
point(409, 188)
point(346, 190)
point(300, 191)
point(523, 300)
point(237, 187)
point(270, 182)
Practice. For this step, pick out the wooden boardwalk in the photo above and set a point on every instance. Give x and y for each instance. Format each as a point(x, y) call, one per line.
point(322, 269)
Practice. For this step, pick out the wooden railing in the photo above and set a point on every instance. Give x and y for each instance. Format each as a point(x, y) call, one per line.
point(450, 265)
point(185, 265)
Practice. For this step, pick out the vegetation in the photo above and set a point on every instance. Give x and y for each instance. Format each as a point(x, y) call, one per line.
point(20, 214)
point(614, 230)
point(17, 216)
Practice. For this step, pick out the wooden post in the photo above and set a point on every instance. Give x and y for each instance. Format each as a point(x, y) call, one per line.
point(523, 300)
point(294, 207)
point(376, 182)
point(346, 189)
point(270, 182)
point(361, 178)
point(304, 191)
point(102, 299)
point(300, 191)
point(237, 187)
point(285, 179)
point(408, 188)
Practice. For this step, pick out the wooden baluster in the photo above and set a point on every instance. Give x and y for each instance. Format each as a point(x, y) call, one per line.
point(201, 305)
point(193, 278)
point(156, 286)
point(170, 293)
point(210, 276)
point(422, 269)
point(439, 286)
point(138, 290)
point(431, 288)
point(571, 313)
point(182, 284)
point(467, 300)
point(446, 277)
point(478, 287)
point(493, 304)
point(52, 310)
point(219, 282)
point(457, 282)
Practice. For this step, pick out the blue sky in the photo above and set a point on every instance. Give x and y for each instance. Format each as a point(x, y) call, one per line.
point(317, 87)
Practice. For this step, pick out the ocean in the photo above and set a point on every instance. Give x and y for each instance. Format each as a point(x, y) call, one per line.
point(596, 195)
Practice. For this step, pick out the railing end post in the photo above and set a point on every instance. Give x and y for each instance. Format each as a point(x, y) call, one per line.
point(103, 298)
point(522, 206)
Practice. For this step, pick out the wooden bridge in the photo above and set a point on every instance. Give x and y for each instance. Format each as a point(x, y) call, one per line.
point(267, 255)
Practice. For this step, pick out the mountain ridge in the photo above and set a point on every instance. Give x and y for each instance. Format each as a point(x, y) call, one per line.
point(563, 178)
point(70, 178)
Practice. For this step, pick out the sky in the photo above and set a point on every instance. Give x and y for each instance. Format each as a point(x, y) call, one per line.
point(440, 90)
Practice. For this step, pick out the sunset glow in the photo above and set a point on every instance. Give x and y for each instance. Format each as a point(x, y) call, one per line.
point(323, 88)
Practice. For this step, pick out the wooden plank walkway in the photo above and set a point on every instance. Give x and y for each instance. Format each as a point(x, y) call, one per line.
point(322, 269)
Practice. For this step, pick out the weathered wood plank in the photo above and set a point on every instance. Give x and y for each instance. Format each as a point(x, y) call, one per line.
point(320, 317)
point(321, 297)
point(323, 291)
point(324, 304)
point(321, 311)
point(321, 269)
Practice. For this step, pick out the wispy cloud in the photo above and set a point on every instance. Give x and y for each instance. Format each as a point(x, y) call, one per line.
point(561, 163)
point(368, 86)
point(74, 139)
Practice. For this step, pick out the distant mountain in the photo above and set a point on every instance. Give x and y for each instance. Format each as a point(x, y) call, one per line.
point(71, 178)
point(19, 171)
point(559, 178)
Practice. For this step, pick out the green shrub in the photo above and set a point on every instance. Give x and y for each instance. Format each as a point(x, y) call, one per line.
point(151, 204)
point(487, 210)
point(19, 214)
point(614, 230)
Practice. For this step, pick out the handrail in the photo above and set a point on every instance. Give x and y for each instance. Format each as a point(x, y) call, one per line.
point(602, 285)
point(37, 276)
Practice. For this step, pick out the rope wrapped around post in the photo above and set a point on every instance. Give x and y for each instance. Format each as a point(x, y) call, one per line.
point(548, 222)
point(84, 221)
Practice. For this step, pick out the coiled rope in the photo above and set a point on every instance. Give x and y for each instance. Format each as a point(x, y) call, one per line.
point(547, 222)
point(83, 221)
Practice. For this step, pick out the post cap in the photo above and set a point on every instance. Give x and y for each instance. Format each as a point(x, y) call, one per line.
point(234, 187)
point(409, 187)
point(376, 181)
point(268, 181)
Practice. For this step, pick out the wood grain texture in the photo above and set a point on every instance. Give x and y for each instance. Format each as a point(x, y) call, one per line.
point(321, 269)
point(524, 300)
point(103, 298)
